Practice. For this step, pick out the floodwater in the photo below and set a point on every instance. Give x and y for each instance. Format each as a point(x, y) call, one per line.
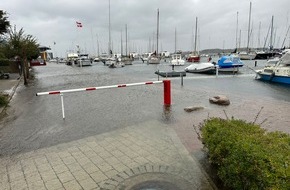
point(111, 109)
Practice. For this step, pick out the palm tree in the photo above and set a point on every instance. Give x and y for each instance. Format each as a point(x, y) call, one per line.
point(4, 23)
point(23, 46)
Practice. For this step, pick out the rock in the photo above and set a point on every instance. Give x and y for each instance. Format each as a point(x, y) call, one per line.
point(193, 108)
point(220, 100)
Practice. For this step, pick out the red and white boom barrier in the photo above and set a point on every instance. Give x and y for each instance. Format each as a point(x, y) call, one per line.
point(166, 85)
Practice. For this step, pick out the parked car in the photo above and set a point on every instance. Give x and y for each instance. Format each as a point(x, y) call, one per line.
point(37, 62)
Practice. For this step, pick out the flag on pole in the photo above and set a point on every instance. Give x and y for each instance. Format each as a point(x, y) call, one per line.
point(79, 24)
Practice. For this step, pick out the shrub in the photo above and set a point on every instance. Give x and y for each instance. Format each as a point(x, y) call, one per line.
point(4, 62)
point(247, 156)
point(3, 100)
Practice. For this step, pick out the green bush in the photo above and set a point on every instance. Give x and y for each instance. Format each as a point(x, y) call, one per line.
point(4, 62)
point(3, 100)
point(247, 156)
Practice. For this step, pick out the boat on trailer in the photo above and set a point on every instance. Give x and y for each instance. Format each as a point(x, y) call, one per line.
point(229, 63)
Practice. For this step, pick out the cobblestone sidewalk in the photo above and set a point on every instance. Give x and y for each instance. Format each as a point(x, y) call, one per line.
point(114, 160)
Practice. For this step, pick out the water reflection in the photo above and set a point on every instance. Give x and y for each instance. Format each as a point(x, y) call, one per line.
point(167, 115)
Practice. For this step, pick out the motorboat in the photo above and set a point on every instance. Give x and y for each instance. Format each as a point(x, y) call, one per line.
point(278, 73)
point(205, 67)
point(72, 58)
point(177, 60)
point(84, 60)
point(229, 63)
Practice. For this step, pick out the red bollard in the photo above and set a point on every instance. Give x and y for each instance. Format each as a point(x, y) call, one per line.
point(167, 92)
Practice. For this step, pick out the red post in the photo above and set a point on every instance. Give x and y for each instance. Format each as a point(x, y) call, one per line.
point(167, 92)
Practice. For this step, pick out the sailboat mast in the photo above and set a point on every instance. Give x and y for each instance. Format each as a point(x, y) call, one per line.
point(126, 40)
point(285, 36)
point(195, 37)
point(259, 34)
point(271, 37)
point(121, 44)
point(109, 28)
point(98, 46)
point(249, 26)
point(157, 30)
point(175, 42)
point(237, 29)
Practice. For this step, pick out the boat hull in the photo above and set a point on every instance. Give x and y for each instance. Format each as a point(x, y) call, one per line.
point(247, 56)
point(230, 68)
point(265, 55)
point(177, 62)
point(206, 68)
point(274, 78)
point(193, 59)
point(230, 63)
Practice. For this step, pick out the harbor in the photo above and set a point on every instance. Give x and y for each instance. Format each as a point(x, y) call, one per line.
point(135, 116)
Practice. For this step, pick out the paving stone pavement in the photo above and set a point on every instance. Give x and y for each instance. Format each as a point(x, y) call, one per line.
point(106, 161)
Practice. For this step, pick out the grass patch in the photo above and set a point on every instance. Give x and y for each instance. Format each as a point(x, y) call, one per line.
point(3, 100)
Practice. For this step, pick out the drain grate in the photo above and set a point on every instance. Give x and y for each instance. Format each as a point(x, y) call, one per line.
point(151, 177)
point(155, 185)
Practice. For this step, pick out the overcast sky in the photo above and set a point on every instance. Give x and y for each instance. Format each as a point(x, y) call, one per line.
point(53, 23)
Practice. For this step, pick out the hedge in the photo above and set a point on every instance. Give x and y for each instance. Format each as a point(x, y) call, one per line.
point(3, 100)
point(9, 66)
point(247, 156)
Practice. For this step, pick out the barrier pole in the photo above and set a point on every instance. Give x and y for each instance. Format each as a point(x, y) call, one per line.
point(62, 106)
point(166, 86)
point(167, 92)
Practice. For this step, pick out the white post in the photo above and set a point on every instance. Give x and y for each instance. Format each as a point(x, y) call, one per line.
point(217, 70)
point(62, 106)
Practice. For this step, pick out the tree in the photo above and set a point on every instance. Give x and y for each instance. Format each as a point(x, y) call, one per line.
point(23, 46)
point(4, 23)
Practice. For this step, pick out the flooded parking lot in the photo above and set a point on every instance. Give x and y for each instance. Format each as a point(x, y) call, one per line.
point(128, 131)
point(96, 112)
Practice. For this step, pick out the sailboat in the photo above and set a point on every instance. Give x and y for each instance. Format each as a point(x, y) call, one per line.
point(194, 56)
point(127, 60)
point(110, 60)
point(270, 53)
point(176, 58)
point(154, 57)
point(248, 55)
